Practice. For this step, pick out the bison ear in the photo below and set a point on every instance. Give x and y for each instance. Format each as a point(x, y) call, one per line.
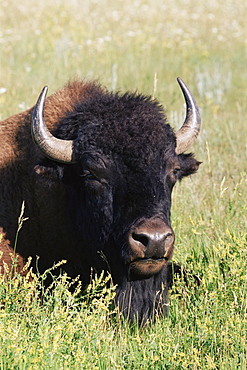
point(188, 165)
point(49, 171)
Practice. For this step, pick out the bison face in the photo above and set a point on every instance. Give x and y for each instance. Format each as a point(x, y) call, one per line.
point(126, 213)
point(117, 215)
point(122, 211)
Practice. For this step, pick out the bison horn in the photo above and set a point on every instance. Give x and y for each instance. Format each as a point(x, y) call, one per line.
point(53, 148)
point(188, 133)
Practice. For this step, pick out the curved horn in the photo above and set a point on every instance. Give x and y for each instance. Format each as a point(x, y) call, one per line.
point(188, 133)
point(53, 148)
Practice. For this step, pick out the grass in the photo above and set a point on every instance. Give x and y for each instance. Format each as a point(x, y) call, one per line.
point(130, 46)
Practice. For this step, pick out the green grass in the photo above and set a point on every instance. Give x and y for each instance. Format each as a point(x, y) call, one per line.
point(127, 45)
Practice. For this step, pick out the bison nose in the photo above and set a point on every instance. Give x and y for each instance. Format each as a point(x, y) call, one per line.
point(151, 238)
point(154, 243)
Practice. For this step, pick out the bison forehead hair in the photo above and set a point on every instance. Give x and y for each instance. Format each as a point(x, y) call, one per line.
point(132, 126)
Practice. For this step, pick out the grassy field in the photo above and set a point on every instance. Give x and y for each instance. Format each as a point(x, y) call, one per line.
point(142, 45)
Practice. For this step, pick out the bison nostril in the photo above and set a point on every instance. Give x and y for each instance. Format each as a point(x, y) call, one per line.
point(142, 238)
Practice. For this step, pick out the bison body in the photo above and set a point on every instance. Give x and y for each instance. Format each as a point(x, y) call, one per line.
point(96, 174)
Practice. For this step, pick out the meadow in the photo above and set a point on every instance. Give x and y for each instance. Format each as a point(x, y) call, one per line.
point(141, 45)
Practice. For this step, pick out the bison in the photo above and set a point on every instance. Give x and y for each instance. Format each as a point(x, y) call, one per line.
point(96, 170)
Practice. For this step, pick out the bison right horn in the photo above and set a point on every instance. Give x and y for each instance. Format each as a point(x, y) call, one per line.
point(57, 149)
point(189, 131)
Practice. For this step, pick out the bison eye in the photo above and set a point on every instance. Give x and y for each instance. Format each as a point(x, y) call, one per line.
point(176, 171)
point(89, 176)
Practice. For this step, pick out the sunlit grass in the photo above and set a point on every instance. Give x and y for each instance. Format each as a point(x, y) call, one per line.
point(206, 327)
point(141, 45)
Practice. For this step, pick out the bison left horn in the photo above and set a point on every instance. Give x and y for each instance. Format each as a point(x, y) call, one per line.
point(189, 131)
point(57, 149)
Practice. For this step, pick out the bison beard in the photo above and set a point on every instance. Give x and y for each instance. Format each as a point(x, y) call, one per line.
point(96, 173)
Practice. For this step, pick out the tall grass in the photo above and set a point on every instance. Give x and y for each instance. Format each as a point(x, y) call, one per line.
point(142, 45)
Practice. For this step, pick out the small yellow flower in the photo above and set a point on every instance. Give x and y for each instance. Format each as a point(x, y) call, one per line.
point(195, 232)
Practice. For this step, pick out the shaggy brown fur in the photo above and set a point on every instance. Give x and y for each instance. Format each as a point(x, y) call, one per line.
point(17, 148)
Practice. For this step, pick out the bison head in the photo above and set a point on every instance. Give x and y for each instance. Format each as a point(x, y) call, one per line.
point(118, 160)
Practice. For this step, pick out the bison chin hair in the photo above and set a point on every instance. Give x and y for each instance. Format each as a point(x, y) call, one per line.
point(144, 300)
